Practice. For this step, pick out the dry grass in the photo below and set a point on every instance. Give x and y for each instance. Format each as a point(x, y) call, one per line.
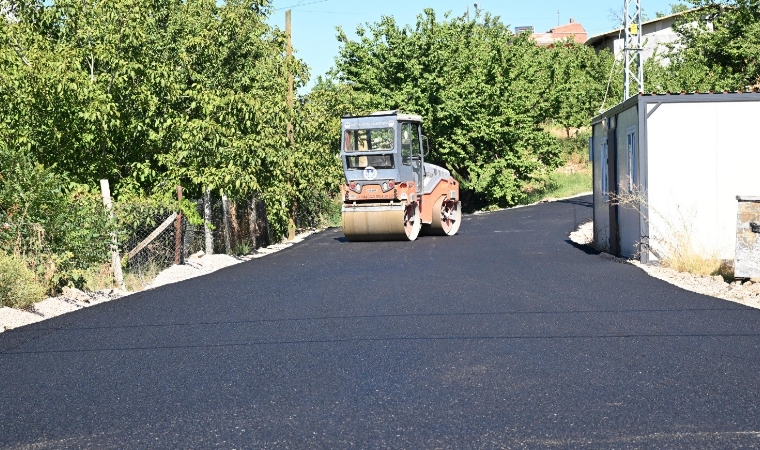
point(561, 132)
point(99, 278)
point(674, 246)
point(136, 281)
point(684, 257)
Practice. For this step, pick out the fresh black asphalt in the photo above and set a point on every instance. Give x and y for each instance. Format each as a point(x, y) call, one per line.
point(504, 336)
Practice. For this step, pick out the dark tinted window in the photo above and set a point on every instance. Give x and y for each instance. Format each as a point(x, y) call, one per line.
point(376, 161)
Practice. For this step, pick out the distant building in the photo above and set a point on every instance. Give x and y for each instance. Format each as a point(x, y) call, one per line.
point(526, 29)
point(572, 30)
point(656, 34)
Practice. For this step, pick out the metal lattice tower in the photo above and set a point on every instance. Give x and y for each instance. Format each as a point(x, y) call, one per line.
point(634, 65)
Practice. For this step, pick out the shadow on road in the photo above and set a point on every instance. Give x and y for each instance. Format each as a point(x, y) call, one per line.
point(584, 248)
point(578, 201)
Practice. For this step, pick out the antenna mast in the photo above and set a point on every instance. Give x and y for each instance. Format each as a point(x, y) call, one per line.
point(634, 65)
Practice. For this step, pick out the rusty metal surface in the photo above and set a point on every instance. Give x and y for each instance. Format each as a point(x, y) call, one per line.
point(747, 264)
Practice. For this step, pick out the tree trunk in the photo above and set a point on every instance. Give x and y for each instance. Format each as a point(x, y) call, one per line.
point(209, 237)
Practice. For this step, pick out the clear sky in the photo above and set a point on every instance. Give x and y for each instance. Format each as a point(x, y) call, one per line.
point(314, 21)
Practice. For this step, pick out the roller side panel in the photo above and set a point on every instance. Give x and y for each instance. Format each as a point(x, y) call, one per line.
point(448, 188)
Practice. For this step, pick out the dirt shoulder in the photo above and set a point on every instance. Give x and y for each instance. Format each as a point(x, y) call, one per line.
point(747, 293)
point(74, 299)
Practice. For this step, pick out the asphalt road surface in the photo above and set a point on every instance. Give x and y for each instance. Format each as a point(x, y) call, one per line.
point(504, 336)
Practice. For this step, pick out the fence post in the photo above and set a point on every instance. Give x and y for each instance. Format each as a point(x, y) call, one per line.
point(252, 223)
point(105, 191)
point(178, 231)
point(226, 220)
point(265, 232)
point(209, 238)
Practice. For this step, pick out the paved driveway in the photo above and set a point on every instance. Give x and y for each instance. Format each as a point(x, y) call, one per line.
point(504, 336)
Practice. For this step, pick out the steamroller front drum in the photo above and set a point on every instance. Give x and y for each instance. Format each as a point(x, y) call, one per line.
point(380, 222)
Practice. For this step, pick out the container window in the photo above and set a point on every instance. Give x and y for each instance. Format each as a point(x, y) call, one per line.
point(605, 171)
point(633, 160)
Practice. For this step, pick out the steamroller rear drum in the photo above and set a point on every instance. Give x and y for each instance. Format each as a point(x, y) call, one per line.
point(447, 216)
point(381, 222)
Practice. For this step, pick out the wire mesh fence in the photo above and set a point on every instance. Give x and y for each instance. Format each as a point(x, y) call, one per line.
point(235, 228)
point(149, 249)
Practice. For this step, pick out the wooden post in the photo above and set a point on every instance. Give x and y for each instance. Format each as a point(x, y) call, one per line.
point(226, 214)
point(178, 256)
point(265, 238)
point(105, 191)
point(289, 53)
point(209, 237)
point(291, 132)
point(252, 224)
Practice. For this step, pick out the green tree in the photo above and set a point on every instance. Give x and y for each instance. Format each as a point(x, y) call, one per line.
point(719, 49)
point(478, 88)
point(152, 94)
point(577, 84)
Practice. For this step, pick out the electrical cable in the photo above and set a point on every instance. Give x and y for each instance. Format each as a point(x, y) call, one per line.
point(300, 3)
point(612, 69)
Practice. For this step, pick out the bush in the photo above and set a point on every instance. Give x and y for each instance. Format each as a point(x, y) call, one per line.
point(575, 148)
point(59, 228)
point(19, 286)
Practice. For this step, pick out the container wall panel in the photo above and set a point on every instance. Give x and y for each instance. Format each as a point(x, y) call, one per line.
point(628, 211)
point(737, 166)
point(682, 178)
point(601, 207)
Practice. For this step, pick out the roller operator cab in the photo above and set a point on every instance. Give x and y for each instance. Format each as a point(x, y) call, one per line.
point(390, 192)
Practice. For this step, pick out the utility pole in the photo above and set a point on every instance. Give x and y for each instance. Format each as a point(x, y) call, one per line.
point(291, 133)
point(468, 13)
point(633, 71)
point(289, 53)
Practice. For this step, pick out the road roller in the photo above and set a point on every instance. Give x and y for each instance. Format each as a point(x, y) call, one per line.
point(390, 192)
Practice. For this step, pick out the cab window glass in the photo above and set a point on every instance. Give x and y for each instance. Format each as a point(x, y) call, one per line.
point(376, 139)
point(416, 140)
point(406, 143)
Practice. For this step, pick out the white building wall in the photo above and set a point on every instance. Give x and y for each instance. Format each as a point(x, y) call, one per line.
point(738, 165)
point(656, 36)
point(700, 156)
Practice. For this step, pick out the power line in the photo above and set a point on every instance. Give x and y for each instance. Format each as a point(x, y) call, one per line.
point(301, 3)
point(330, 12)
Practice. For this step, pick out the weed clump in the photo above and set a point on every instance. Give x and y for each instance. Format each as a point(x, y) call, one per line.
point(19, 287)
point(671, 239)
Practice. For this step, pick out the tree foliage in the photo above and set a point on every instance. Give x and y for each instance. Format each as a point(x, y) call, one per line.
point(718, 49)
point(485, 94)
point(152, 94)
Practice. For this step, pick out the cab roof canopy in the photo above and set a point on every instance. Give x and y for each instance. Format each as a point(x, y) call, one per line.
point(393, 112)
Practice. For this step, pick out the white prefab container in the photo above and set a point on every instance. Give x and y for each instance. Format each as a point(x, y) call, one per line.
point(668, 169)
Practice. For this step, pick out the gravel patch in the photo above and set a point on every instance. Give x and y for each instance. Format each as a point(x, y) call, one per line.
point(744, 292)
point(73, 299)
